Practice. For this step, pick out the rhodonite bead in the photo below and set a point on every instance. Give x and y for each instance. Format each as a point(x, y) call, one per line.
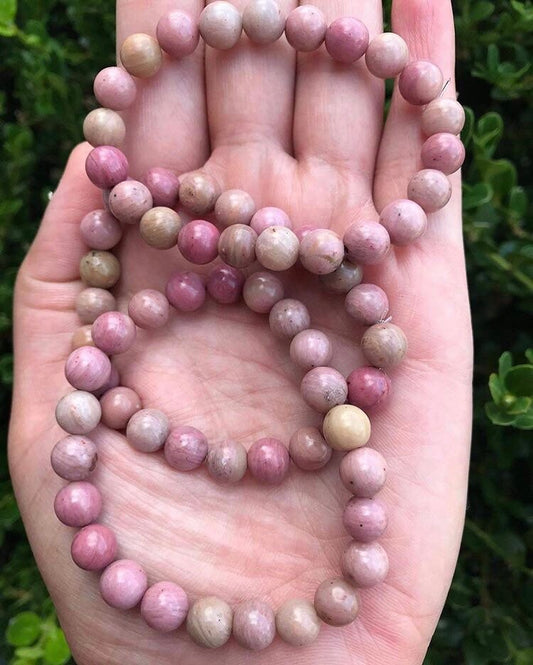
point(82, 337)
point(141, 55)
point(262, 291)
point(443, 115)
point(78, 412)
point(74, 457)
point(220, 25)
point(430, 188)
point(366, 242)
point(367, 387)
point(209, 622)
point(254, 624)
point(288, 317)
point(114, 88)
point(268, 461)
point(404, 220)
point(344, 278)
point(336, 602)
point(269, 216)
point(365, 564)
point(149, 309)
point(227, 461)
point(277, 248)
point(112, 382)
point(364, 519)
point(185, 448)
point(387, 55)
point(363, 472)
point(305, 28)
point(297, 622)
point(104, 127)
point(310, 348)
point(100, 230)
point(198, 241)
point(346, 39)
point(321, 251)
point(346, 427)
point(129, 201)
point(177, 34)
point(234, 207)
point(164, 186)
point(263, 21)
point(100, 269)
point(87, 368)
point(123, 584)
point(160, 227)
point(236, 245)
point(78, 503)
point(308, 449)
point(224, 284)
point(106, 166)
point(94, 547)
point(384, 345)
point(198, 192)
point(367, 304)
point(147, 430)
point(420, 82)
point(118, 406)
point(444, 152)
point(92, 302)
point(164, 606)
point(185, 291)
point(323, 388)
point(114, 332)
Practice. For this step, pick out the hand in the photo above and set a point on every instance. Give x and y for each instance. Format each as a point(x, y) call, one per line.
point(305, 135)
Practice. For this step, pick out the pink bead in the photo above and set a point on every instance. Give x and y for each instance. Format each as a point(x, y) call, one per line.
point(368, 387)
point(147, 430)
point(224, 284)
point(198, 241)
point(420, 82)
point(263, 21)
point(113, 332)
point(344, 278)
point(323, 388)
point(443, 115)
point(431, 189)
point(367, 304)
point(366, 242)
point(112, 382)
point(305, 28)
point(387, 55)
point(404, 220)
point(129, 200)
point(78, 503)
point(269, 216)
point(321, 251)
point(178, 35)
point(114, 88)
point(363, 472)
point(365, 564)
point(164, 606)
point(100, 230)
point(268, 461)
point(308, 449)
point(185, 448)
point(444, 152)
point(74, 457)
point(262, 291)
point(94, 547)
point(234, 206)
point(365, 520)
point(118, 406)
point(185, 291)
point(288, 317)
point(106, 166)
point(220, 25)
point(163, 185)
point(123, 584)
point(347, 39)
point(302, 231)
point(254, 625)
point(87, 368)
point(149, 309)
point(236, 245)
point(310, 348)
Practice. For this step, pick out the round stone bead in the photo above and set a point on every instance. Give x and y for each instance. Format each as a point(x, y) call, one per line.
point(384, 345)
point(78, 503)
point(262, 291)
point(387, 55)
point(185, 291)
point(114, 88)
point(198, 192)
point(277, 248)
point(198, 241)
point(141, 55)
point(225, 284)
point(344, 278)
point(177, 34)
point(100, 269)
point(209, 622)
point(303, 230)
point(420, 82)
point(368, 387)
point(78, 412)
point(236, 245)
point(106, 166)
point(118, 406)
point(365, 564)
point(443, 152)
point(129, 201)
point(443, 115)
point(94, 547)
point(268, 461)
point(269, 216)
point(288, 317)
point(160, 227)
point(82, 337)
point(311, 348)
point(323, 388)
point(100, 230)
point(363, 472)
point(367, 304)
point(227, 461)
point(147, 430)
point(404, 220)
point(297, 622)
point(104, 127)
point(123, 584)
point(112, 382)
point(321, 251)
point(164, 606)
point(263, 21)
point(430, 188)
point(365, 520)
point(74, 457)
point(254, 624)
point(346, 39)
point(366, 242)
point(149, 309)
point(87, 368)
point(185, 448)
point(163, 185)
point(220, 25)
point(114, 332)
point(92, 302)
point(346, 427)
point(305, 28)
point(336, 602)
point(234, 207)
point(308, 449)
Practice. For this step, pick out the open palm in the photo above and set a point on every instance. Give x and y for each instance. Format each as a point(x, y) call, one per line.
point(306, 135)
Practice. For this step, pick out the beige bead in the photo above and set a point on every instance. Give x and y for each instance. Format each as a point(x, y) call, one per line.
point(384, 345)
point(141, 55)
point(90, 303)
point(104, 127)
point(209, 622)
point(101, 269)
point(297, 622)
point(236, 245)
point(346, 427)
point(220, 25)
point(160, 227)
point(198, 192)
point(234, 207)
point(263, 21)
point(82, 337)
point(277, 248)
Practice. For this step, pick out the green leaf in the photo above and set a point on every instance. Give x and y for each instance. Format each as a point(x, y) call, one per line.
point(497, 416)
point(524, 657)
point(520, 406)
point(475, 653)
point(505, 363)
point(481, 10)
point(468, 129)
point(495, 387)
point(518, 202)
point(524, 421)
point(8, 9)
point(519, 380)
point(23, 629)
point(529, 355)
point(56, 649)
point(31, 653)
point(474, 196)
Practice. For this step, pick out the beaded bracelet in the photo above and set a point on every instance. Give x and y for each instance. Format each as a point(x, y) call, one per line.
point(241, 236)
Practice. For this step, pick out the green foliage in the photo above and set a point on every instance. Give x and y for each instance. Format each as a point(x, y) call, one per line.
point(37, 641)
point(512, 393)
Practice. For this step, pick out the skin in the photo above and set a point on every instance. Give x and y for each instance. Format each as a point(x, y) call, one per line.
point(306, 137)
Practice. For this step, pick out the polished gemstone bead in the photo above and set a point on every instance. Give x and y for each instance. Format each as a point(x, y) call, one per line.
point(227, 461)
point(220, 25)
point(323, 388)
point(344, 278)
point(263, 21)
point(367, 304)
point(100, 230)
point(365, 564)
point(363, 472)
point(209, 622)
point(224, 284)
point(366, 242)
point(346, 427)
point(346, 39)
point(420, 82)
point(288, 317)
point(129, 201)
point(430, 188)
point(82, 336)
point(269, 216)
point(305, 28)
point(443, 115)
point(74, 457)
point(387, 55)
point(104, 127)
point(308, 449)
point(79, 503)
point(336, 602)
point(106, 166)
point(404, 220)
point(268, 461)
point(384, 345)
point(147, 430)
point(198, 241)
point(123, 584)
point(114, 332)
point(364, 519)
point(160, 227)
point(177, 33)
point(297, 622)
point(87, 368)
point(92, 302)
point(262, 291)
point(185, 291)
point(444, 152)
point(198, 192)
point(234, 207)
point(310, 348)
point(141, 55)
point(118, 406)
point(321, 251)
point(368, 387)
point(164, 606)
point(254, 624)
point(114, 88)
point(163, 185)
point(78, 412)
point(149, 309)
point(185, 448)
point(236, 245)
point(94, 547)
point(100, 269)
point(277, 248)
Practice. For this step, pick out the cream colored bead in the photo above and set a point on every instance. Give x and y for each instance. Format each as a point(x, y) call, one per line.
point(141, 55)
point(346, 427)
point(104, 127)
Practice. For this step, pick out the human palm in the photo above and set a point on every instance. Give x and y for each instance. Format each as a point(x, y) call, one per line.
point(308, 139)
